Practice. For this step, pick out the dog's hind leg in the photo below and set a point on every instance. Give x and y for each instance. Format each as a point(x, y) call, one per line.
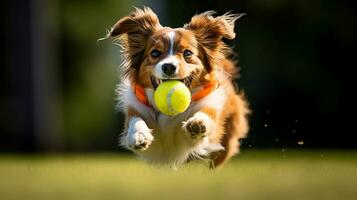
point(236, 127)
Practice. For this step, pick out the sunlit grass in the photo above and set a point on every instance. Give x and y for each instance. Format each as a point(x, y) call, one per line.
point(252, 175)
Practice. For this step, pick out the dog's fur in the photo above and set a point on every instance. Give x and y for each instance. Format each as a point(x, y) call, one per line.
point(209, 128)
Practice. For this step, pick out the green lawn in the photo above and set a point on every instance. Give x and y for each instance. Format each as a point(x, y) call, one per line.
point(251, 175)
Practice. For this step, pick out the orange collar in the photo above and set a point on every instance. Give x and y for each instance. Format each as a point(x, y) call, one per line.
point(200, 94)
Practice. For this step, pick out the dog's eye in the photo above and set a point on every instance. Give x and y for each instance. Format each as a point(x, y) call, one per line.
point(187, 53)
point(155, 53)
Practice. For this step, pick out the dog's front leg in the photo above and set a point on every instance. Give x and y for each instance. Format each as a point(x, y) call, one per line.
point(138, 135)
point(201, 124)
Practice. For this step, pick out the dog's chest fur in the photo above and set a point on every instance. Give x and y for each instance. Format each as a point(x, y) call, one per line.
point(171, 144)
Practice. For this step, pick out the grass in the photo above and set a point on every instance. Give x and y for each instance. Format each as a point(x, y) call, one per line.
point(251, 175)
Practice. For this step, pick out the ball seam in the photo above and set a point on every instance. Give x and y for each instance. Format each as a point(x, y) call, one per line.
point(168, 98)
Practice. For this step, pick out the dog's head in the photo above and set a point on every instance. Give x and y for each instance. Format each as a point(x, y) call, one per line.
point(153, 53)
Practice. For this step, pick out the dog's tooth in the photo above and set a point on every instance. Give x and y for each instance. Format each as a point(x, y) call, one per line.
point(156, 81)
point(186, 82)
point(190, 78)
point(152, 81)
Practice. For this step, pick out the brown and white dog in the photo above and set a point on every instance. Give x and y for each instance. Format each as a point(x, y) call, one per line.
point(196, 55)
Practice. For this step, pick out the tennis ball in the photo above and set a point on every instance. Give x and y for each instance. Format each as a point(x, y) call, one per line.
point(172, 97)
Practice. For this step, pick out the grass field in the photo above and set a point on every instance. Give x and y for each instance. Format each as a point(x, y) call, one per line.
point(251, 175)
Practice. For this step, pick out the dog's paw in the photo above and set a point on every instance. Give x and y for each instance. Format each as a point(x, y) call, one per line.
point(139, 136)
point(140, 140)
point(197, 126)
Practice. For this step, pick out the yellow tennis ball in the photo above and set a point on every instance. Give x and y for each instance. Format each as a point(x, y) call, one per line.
point(172, 97)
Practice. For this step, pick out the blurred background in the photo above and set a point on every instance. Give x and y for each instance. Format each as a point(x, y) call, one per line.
point(57, 83)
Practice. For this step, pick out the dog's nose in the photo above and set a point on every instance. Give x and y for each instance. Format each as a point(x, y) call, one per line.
point(168, 69)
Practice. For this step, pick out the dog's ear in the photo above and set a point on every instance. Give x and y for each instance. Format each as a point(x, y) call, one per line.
point(143, 22)
point(132, 32)
point(210, 31)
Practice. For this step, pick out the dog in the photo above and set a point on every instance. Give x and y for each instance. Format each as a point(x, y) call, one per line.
point(195, 54)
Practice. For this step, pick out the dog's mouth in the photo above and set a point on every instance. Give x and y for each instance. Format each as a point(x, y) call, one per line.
point(156, 81)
